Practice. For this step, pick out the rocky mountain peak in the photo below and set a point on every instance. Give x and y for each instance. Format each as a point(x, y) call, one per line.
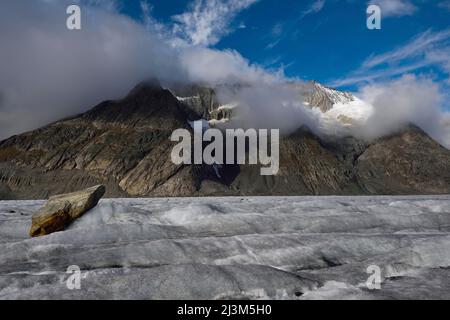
point(148, 104)
point(146, 88)
point(125, 145)
point(202, 103)
point(325, 98)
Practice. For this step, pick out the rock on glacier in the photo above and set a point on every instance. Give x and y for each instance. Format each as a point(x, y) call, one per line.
point(61, 210)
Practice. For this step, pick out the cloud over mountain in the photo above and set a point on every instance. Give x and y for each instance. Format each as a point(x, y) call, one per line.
point(49, 72)
point(409, 99)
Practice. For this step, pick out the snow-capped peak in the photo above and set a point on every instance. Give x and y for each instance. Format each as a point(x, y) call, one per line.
point(337, 110)
point(324, 97)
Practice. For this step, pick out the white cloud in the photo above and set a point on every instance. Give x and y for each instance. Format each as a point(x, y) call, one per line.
point(440, 56)
point(208, 20)
point(426, 49)
point(371, 76)
point(315, 7)
point(409, 99)
point(278, 32)
point(395, 8)
point(214, 67)
point(49, 72)
point(420, 44)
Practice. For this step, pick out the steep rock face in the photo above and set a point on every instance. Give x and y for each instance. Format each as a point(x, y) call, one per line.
point(5, 192)
point(125, 146)
point(122, 144)
point(324, 98)
point(306, 167)
point(203, 103)
point(316, 95)
point(199, 101)
point(26, 183)
point(147, 106)
point(407, 162)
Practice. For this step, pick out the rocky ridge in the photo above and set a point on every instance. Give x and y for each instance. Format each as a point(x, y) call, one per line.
point(125, 146)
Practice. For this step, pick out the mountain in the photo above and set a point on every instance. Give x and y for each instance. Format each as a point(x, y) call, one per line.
point(324, 98)
point(125, 145)
point(334, 105)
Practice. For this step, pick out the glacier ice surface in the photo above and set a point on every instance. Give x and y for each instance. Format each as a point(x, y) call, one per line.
point(233, 247)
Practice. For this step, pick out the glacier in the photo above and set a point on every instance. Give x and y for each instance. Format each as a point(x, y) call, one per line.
point(233, 248)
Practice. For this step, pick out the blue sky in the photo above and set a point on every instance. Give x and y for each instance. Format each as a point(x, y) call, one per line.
point(327, 40)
